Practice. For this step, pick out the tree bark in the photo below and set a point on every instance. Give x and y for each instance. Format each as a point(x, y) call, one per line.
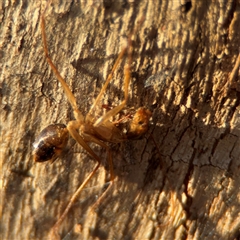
point(182, 180)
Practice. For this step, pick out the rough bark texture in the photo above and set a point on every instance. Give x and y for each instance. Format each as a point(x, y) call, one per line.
point(185, 69)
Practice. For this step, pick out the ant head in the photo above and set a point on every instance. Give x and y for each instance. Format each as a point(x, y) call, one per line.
point(139, 124)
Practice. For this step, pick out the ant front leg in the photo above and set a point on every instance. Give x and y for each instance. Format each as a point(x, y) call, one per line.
point(109, 78)
point(118, 108)
point(127, 72)
point(127, 75)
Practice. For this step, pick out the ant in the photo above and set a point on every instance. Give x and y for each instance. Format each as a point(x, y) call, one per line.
point(99, 130)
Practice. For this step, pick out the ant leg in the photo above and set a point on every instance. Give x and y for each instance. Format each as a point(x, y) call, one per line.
point(72, 126)
point(71, 202)
point(127, 75)
point(90, 138)
point(118, 108)
point(77, 114)
point(121, 54)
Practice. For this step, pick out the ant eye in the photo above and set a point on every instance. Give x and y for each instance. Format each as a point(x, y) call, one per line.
point(140, 122)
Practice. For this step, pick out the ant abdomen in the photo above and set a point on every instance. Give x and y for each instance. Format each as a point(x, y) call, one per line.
point(50, 142)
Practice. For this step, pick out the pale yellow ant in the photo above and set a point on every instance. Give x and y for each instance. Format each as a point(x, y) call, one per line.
point(53, 139)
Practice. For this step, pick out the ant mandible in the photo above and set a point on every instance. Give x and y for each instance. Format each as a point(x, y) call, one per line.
point(53, 139)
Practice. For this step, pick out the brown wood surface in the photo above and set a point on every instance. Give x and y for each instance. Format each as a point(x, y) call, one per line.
point(185, 69)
